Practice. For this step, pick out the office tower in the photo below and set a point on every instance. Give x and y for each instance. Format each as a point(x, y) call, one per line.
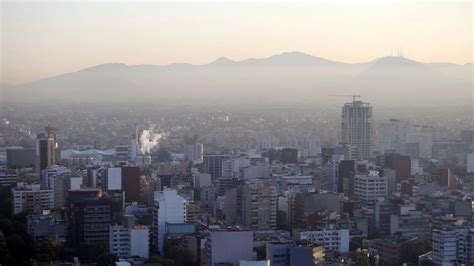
point(370, 186)
point(356, 129)
point(169, 208)
point(212, 164)
point(391, 135)
point(193, 152)
point(45, 150)
point(131, 183)
point(453, 245)
point(227, 247)
point(345, 176)
point(383, 211)
point(129, 241)
point(402, 166)
point(31, 198)
point(89, 216)
point(259, 203)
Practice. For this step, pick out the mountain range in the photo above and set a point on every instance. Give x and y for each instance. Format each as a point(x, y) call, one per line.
point(291, 77)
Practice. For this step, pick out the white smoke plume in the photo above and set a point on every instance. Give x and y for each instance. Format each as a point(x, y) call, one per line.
point(149, 140)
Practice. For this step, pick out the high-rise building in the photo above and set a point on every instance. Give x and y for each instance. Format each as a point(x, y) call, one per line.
point(31, 198)
point(89, 216)
point(45, 150)
point(131, 183)
point(169, 208)
point(193, 152)
point(212, 164)
point(129, 241)
point(356, 129)
point(453, 245)
point(259, 205)
point(370, 186)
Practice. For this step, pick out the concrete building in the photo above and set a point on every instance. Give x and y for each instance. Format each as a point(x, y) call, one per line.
point(370, 186)
point(45, 150)
point(212, 164)
point(453, 245)
point(292, 254)
point(88, 216)
point(470, 163)
point(45, 225)
point(356, 129)
point(31, 198)
point(19, 157)
point(113, 180)
point(331, 239)
point(129, 241)
point(259, 205)
point(227, 247)
point(131, 183)
point(169, 208)
point(193, 152)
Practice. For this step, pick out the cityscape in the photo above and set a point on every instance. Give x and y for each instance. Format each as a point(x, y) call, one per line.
point(281, 160)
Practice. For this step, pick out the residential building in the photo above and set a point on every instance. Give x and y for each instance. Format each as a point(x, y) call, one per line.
point(356, 129)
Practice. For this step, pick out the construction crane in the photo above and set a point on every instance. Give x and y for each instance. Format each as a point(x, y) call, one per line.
point(354, 96)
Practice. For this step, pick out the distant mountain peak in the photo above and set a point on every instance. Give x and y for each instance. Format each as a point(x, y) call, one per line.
point(395, 61)
point(222, 61)
point(107, 66)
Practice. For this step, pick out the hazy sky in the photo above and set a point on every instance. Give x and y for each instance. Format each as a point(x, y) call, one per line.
point(41, 39)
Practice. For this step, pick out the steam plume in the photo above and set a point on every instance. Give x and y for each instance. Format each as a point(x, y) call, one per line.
point(148, 140)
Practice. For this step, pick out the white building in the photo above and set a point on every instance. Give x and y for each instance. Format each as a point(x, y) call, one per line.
point(470, 163)
point(114, 178)
point(31, 198)
point(369, 187)
point(169, 208)
point(357, 129)
point(129, 242)
point(331, 239)
point(453, 246)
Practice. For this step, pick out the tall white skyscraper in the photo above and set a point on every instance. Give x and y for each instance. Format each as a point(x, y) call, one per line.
point(169, 208)
point(356, 129)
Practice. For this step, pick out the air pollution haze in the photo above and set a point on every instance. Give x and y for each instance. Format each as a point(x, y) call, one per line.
point(291, 77)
